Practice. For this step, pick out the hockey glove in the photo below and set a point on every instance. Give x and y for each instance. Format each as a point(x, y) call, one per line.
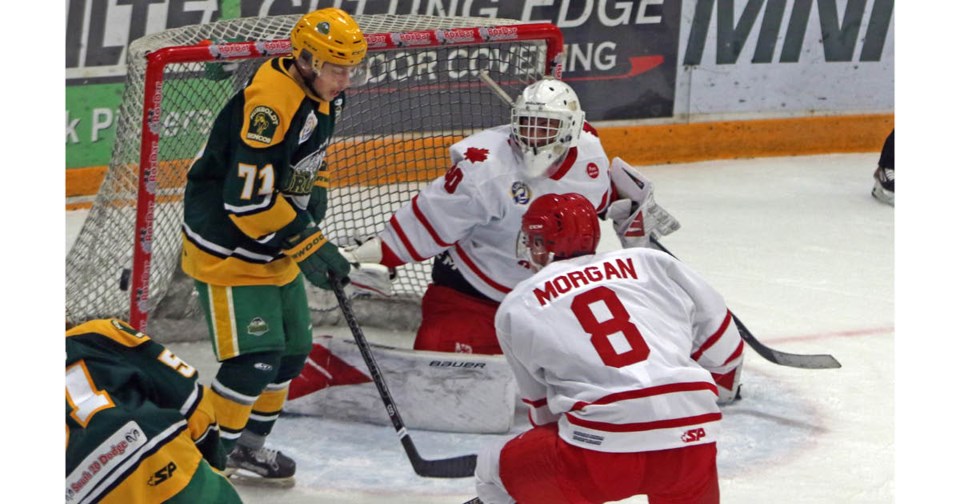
point(316, 257)
point(367, 275)
point(637, 216)
point(728, 385)
point(317, 206)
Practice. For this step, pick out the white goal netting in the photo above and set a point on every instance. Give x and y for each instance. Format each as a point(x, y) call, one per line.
point(424, 94)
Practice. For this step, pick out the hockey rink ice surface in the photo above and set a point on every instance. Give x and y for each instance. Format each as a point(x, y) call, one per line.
point(803, 255)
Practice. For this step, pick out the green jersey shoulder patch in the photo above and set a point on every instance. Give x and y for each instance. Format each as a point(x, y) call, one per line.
point(262, 125)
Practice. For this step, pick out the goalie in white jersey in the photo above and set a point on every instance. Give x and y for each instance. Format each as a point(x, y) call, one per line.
point(468, 219)
point(614, 354)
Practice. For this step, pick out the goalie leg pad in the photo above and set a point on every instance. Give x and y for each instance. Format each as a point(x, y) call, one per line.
point(439, 392)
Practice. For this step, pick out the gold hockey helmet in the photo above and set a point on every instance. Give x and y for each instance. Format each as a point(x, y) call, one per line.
point(328, 36)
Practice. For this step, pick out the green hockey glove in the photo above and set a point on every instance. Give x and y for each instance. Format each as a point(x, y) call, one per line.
point(317, 206)
point(315, 256)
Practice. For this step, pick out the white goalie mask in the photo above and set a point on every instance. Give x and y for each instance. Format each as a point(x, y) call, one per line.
point(546, 121)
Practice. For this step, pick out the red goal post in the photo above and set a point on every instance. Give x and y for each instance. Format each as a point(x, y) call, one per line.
point(424, 94)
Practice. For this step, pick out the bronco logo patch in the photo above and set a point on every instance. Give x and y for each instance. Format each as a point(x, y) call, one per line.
point(258, 327)
point(263, 124)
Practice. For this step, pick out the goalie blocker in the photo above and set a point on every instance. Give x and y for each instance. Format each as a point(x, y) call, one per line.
point(635, 214)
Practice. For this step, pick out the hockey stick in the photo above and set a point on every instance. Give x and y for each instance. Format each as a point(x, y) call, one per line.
point(455, 467)
point(485, 77)
point(818, 361)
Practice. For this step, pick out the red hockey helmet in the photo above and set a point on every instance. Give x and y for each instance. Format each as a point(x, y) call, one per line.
point(559, 226)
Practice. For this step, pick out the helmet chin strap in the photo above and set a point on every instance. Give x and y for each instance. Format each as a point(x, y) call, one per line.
point(527, 255)
point(554, 166)
point(308, 78)
point(537, 266)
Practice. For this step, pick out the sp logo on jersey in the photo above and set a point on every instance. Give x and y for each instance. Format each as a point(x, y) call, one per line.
point(521, 193)
point(162, 475)
point(693, 435)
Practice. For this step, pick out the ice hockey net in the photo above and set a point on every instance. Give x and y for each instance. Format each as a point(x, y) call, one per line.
point(424, 94)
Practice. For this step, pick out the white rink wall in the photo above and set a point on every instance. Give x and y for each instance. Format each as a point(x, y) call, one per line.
point(787, 58)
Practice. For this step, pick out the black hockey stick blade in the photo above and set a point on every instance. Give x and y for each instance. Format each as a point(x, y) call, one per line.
point(463, 466)
point(454, 467)
point(816, 361)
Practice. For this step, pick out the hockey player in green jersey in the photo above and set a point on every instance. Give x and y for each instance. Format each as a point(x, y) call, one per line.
point(252, 204)
point(140, 427)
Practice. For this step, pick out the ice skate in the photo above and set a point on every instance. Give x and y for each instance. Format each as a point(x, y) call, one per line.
point(260, 467)
point(883, 185)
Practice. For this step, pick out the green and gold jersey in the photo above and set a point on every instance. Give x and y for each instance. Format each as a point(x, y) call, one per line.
point(137, 421)
point(249, 187)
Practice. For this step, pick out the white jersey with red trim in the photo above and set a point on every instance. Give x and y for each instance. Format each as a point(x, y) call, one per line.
point(618, 347)
point(475, 209)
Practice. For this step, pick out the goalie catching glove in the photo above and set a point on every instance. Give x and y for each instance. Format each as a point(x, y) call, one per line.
point(636, 216)
point(367, 275)
point(316, 256)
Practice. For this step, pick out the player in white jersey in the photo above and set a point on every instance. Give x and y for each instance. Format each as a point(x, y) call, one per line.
point(614, 354)
point(468, 220)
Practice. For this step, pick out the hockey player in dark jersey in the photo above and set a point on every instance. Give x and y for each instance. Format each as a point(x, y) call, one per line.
point(140, 427)
point(253, 202)
point(883, 181)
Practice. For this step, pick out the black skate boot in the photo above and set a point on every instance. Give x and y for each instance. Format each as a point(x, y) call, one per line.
point(260, 467)
point(883, 185)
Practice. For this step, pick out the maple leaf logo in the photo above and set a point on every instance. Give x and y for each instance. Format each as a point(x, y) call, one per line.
point(476, 155)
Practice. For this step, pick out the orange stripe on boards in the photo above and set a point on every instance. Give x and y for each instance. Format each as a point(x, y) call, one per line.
point(384, 161)
point(82, 184)
point(84, 181)
point(692, 142)
point(83, 205)
point(86, 202)
point(388, 161)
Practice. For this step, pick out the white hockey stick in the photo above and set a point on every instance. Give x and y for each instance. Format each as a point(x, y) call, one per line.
point(485, 77)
